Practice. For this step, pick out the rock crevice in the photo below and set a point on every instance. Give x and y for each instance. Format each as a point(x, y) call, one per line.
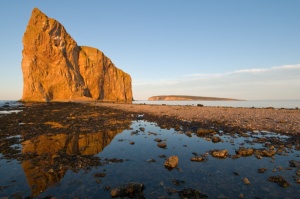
point(56, 68)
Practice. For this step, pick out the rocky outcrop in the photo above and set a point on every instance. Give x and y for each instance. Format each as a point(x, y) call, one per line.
point(55, 68)
point(188, 98)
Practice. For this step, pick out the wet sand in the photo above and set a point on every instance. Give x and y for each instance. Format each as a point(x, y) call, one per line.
point(285, 121)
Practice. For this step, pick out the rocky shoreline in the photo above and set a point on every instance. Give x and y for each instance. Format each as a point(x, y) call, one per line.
point(285, 121)
point(49, 139)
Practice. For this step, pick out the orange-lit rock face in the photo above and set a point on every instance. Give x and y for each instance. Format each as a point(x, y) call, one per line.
point(56, 68)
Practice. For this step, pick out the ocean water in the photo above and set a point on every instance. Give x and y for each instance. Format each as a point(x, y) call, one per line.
point(11, 103)
point(250, 103)
point(10, 109)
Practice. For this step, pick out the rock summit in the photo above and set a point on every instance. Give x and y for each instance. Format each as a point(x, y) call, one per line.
point(55, 68)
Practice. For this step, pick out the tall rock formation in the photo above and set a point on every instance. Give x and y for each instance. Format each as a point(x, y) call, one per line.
point(56, 68)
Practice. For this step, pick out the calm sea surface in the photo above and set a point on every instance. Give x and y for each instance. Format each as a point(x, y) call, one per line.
point(250, 103)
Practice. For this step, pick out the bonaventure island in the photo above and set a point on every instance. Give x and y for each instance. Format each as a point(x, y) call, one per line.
point(71, 137)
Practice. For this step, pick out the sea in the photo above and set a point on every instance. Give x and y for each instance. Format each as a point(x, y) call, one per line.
point(289, 104)
point(8, 106)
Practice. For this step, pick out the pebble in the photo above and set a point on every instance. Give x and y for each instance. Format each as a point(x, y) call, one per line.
point(246, 181)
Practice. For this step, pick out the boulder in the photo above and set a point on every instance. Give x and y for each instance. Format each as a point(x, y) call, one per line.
point(55, 68)
point(219, 153)
point(171, 162)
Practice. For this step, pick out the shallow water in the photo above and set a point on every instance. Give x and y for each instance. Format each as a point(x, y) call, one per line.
point(64, 165)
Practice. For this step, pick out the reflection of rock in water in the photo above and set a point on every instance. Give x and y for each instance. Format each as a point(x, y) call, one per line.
point(48, 157)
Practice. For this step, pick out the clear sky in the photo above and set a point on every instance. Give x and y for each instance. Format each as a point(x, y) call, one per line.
point(238, 49)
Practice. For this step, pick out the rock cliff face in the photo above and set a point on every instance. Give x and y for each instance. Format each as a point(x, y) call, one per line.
point(56, 68)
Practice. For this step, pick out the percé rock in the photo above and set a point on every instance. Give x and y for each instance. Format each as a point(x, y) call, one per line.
point(55, 68)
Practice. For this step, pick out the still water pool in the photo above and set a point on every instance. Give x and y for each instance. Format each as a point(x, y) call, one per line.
point(90, 165)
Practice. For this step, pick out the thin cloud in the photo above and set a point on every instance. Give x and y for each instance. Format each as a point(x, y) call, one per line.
point(252, 71)
point(287, 67)
point(268, 83)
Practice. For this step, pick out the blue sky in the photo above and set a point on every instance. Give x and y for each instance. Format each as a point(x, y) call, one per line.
point(239, 49)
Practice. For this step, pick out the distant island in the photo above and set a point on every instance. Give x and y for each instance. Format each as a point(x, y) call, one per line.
point(188, 98)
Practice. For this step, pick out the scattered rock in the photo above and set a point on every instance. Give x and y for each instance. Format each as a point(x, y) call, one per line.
point(177, 182)
point(162, 156)
point(132, 190)
point(216, 139)
point(244, 151)
point(294, 163)
point(99, 175)
point(158, 140)
point(262, 170)
point(219, 153)
point(162, 145)
point(191, 193)
point(151, 160)
point(236, 173)
point(198, 159)
point(131, 142)
point(134, 132)
point(201, 132)
point(188, 133)
point(246, 181)
point(171, 162)
point(280, 181)
point(142, 129)
point(265, 152)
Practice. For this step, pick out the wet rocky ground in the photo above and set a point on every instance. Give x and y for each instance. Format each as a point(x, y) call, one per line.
point(72, 150)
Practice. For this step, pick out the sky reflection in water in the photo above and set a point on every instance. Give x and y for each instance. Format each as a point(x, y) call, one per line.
point(64, 165)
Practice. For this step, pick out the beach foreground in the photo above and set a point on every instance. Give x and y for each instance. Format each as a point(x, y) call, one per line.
point(103, 150)
point(225, 118)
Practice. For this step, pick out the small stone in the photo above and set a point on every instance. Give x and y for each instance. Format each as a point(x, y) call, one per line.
point(246, 181)
point(262, 170)
point(244, 151)
point(216, 139)
point(201, 131)
point(219, 153)
point(236, 173)
point(265, 152)
point(132, 143)
point(99, 175)
point(197, 159)
point(188, 133)
point(151, 160)
point(158, 140)
point(171, 162)
point(131, 190)
point(142, 129)
point(162, 156)
point(177, 182)
point(162, 145)
point(280, 181)
point(191, 193)
point(294, 163)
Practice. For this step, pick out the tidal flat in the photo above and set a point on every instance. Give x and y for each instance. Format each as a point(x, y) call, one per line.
point(81, 150)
